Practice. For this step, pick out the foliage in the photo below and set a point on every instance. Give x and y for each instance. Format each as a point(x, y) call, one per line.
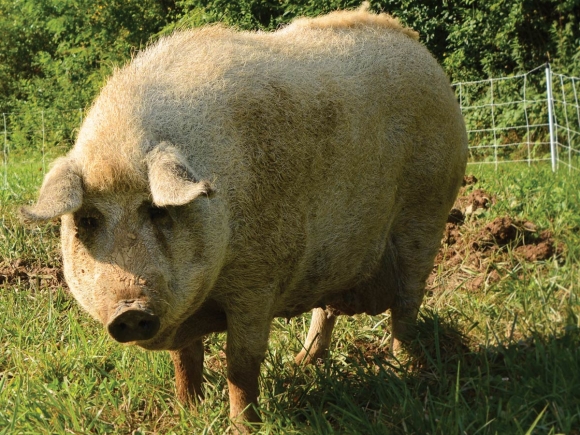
point(252, 14)
point(471, 39)
point(495, 38)
point(55, 54)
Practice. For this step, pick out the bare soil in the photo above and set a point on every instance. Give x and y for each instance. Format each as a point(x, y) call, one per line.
point(476, 253)
point(37, 275)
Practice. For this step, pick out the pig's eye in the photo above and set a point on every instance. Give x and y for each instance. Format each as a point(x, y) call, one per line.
point(156, 213)
point(88, 223)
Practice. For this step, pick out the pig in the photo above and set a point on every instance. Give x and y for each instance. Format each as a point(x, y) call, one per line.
point(225, 178)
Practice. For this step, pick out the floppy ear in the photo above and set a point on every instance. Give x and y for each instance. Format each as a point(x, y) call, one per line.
point(61, 193)
point(171, 179)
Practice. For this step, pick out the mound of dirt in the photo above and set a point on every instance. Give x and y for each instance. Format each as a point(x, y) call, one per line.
point(503, 231)
point(468, 180)
point(522, 236)
point(543, 248)
point(478, 199)
point(472, 248)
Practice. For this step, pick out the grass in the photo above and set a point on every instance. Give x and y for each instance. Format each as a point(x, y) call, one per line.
point(499, 357)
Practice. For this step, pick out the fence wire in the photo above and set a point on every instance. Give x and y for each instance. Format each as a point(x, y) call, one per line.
point(531, 117)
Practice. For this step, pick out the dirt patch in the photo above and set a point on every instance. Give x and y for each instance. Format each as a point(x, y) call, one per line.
point(474, 202)
point(478, 199)
point(476, 252)
point(20, 271)
point(451, 234)
point(522, 236)
point(502, 231)
point(468, 180)
point(542, 249)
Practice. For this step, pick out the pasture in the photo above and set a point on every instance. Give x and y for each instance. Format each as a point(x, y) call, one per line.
point(497, 351)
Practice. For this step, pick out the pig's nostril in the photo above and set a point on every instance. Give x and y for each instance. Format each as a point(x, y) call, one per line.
point(148, 325)
point(134, 325)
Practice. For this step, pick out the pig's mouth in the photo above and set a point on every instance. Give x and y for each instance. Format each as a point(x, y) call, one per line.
point(133, 322)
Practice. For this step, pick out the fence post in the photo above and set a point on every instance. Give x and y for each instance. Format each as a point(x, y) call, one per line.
point(553, 149)
point(43, 140)
point(5, 153)
point(495, 157)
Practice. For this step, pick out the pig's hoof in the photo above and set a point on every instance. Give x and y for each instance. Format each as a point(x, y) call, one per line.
point(310, 357)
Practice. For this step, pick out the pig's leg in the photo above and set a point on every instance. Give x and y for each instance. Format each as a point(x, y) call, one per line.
point(413, 270)
point(247, 341)
point(319, 336)
point(403, 325)
point(188, 364)
point(417, 242)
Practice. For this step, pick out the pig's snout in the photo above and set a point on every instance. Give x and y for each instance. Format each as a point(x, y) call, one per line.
point(133, 323)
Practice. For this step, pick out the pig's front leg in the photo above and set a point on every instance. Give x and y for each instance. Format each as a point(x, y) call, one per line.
point(188, 364)
point(247, 341)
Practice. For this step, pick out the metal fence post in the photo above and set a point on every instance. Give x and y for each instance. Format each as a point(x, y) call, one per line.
point(553, 149)
point(5, 153)
point(495, 156)
point(43, 146)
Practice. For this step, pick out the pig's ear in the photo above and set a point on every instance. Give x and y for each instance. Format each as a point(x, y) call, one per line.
point(61, 193)
point(171, 179)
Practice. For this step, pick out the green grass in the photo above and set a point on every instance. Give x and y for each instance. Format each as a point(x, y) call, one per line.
point(502, 358)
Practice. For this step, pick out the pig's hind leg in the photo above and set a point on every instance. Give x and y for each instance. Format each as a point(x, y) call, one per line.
point(415, 243)
point(319, 336)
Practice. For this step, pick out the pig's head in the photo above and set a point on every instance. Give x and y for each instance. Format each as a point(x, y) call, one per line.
point(139, 256)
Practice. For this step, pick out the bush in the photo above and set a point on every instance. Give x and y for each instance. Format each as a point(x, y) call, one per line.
point(56, 54)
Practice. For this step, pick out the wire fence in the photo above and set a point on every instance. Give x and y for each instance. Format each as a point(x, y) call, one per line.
point(44, 134)
point(530, 117)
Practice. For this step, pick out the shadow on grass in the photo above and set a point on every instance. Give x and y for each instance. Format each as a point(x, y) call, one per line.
point(442, 384)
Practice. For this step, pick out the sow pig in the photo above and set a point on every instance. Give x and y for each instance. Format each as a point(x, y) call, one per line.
point(224, 178)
